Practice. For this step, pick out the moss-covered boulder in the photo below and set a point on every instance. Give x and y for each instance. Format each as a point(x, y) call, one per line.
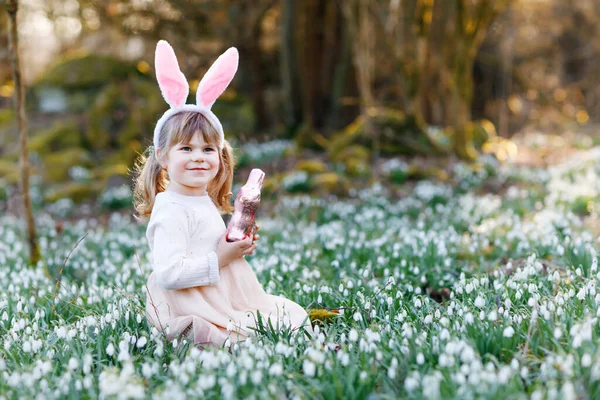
point(76, 191)
point(63, 134)
point(312, 166)
point(398, 134)
point(307, 138)
point(87, 72)
point(331, 183)
point(56, 165)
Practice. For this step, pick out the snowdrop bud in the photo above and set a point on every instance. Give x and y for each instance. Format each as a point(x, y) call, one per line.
point(110, 349)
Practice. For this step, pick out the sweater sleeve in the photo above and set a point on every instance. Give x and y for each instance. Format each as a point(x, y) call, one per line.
point(169, 235)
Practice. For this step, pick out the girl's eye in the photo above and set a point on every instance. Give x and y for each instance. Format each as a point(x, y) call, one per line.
point(209, 149)
point(186, 148)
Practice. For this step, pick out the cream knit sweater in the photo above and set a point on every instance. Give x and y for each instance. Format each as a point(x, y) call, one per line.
point(183, 234)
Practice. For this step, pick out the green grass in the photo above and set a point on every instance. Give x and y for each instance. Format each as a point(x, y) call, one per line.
point(450, 292)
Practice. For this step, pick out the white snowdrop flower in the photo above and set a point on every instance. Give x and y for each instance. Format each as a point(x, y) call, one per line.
point(309, 368)
point(586, 360)
point(227, 390)
point(445, 335)
point(420, 359)
point(508, 332)
point(141, 342)
point(87, 382)
point(363, 375)
point(110, 349)
point(411, 383)
point(581, 294)
point(353, 335)
point(357, 317)
point(514, 364)
point(87, 363)
point(73, 363)
point(504, 374)
point(537, 395)
point(557, 333)
point(231, 370)
point(341, 287)
point(256, 377)
point(61, 332)
point(27, 346)
point(469, 319)
point(139, 318)
point(469, 288)
point(206, 381)
point(417, 302)
point(175, 342)
point(431, 385)
point(428, 319)
point(391, 373)
point(531, 302)
point(276, 369)
point(479, 302)
point(493, 315)
point(230, 326)
point(568, 391)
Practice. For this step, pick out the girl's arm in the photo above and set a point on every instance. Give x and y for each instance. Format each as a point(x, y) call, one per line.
point(169, 234)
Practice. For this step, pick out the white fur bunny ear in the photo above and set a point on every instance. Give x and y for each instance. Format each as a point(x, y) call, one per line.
point(172, 82)
point(217, 78)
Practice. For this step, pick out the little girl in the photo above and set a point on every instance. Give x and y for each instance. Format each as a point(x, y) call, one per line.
point(201, 286)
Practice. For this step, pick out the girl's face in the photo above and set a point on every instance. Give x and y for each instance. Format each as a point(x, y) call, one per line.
point(191, 166)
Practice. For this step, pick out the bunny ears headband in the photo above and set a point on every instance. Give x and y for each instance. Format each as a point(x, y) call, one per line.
point(175, 89)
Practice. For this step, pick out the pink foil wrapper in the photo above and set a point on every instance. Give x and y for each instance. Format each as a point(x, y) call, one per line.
point(245, 206)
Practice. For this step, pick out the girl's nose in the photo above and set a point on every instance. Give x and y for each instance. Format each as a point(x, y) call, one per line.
point(197, 156)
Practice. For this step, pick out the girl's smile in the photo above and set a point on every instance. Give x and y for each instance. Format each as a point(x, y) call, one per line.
point(191, 166)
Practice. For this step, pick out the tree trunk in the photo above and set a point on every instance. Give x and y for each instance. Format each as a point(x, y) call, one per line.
point(289, 67)
point(34, 249)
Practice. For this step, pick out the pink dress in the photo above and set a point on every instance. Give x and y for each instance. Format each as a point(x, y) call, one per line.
point(189, 294)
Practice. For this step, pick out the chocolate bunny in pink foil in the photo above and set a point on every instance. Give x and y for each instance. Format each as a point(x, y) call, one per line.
point(246, 203)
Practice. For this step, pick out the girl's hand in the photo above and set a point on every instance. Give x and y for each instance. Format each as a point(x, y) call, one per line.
point(256, 235)
point(230, 251)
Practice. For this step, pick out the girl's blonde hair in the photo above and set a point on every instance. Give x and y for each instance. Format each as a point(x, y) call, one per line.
point(152, 179)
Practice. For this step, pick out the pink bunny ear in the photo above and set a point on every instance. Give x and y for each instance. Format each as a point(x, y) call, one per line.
point(217, 78)
point(172, 82)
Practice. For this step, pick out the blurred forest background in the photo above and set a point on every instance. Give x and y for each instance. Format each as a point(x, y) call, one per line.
point(337, 88)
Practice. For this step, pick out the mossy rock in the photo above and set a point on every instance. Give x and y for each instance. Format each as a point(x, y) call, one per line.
point(88, 71)
point(429, 172)
point(398, 134)
point(311, 166)
point(76, 191)
point(56, 165)
point(61, 135)
point(9, 171)
point(331, 183)
point(308, 138)
point(105, 172)
point(481, 132)
point(355, 159)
